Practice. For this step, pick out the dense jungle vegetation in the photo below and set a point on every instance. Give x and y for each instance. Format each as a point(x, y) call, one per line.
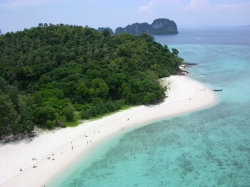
point(51, 73)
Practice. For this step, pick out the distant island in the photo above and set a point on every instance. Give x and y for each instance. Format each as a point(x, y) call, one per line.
point(159, 26)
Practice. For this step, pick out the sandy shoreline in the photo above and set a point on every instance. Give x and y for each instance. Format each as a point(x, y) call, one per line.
point(67, 144)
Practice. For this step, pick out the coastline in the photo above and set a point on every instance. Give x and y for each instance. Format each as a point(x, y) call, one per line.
point(67, 144)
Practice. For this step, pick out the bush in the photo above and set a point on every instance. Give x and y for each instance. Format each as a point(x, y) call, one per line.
point(43, 114)
point(50, 124)
point(68, 112)
point(102, 108)
point(85, 115)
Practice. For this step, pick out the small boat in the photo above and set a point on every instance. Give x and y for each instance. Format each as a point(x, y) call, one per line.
point(218, 90)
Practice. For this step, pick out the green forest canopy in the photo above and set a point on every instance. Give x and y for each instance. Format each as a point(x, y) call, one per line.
point(49, 72)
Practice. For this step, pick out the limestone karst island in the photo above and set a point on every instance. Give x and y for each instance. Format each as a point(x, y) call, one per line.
point(159, 26)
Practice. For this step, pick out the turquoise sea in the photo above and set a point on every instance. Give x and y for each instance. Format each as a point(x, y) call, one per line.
point(208, 147)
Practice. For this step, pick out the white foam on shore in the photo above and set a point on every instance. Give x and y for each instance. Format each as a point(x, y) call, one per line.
point(184, 95)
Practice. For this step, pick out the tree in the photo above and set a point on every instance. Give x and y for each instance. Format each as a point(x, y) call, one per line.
point(3, 84)
point(175, 52)
point(103, 28)
point(92, 73)
point(9, 118)
point(147, 37)
point(101, 88)
point(25, 108)
point(106, 33)
point(43, 114)
point(82, 89)
point(68, 112)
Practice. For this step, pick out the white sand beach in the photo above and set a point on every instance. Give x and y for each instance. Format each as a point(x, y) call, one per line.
point(64, 145)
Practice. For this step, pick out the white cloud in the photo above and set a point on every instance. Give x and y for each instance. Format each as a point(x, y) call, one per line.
point(146, 8)
point(197, 5)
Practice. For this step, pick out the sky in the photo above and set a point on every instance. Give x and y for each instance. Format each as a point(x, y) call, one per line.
point(15, 15)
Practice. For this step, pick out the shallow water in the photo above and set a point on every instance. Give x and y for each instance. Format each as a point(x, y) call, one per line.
point(209, 147)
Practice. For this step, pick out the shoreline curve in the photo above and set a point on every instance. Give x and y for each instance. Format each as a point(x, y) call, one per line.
point(64, 146)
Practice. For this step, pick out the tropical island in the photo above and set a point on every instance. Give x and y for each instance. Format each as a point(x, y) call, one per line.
point(54, 75)
point(159, 26)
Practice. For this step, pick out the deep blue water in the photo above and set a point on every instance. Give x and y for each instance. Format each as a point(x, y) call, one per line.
point(209, 147)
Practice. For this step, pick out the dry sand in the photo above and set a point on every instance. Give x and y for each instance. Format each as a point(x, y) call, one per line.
point(65, 145)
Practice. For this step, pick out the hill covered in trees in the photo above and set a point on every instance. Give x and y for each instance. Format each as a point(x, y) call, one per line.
point(159, 26)
point(51, 72)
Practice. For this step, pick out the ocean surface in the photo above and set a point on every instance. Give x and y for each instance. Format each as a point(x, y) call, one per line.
point(208, 147)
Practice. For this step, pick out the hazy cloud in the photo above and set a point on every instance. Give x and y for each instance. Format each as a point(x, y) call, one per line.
point(228, 7)
point(198, 12)
point(146, 8)
point(19, 14)
point(198, 6)
point(205, 6)
point(15, 4)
